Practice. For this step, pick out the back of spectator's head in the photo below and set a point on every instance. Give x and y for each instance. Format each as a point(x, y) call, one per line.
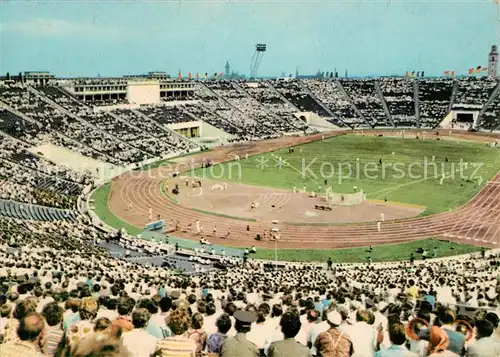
point(197, 321)
point(290, 324)
point(191, 299)
point(397, 333)
point(88, 308)
point(73, 304)
point(277, 310)
point(5, 310)
point(165, 304)
point(312, 315)
point(30, 327)
point(224, 323)
point(178, 321)
point(53, 313)
point(484, 328)
point(210, 309)
point(230, 309)
point(447, 316)
point(363, 316)
point(125, 305)
point(102, 324)
point(25, 307)
point(493, 318)
point(140, 318)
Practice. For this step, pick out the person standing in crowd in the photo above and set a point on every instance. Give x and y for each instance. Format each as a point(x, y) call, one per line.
point(239, 346)
point(289, 347)
point(333, 342)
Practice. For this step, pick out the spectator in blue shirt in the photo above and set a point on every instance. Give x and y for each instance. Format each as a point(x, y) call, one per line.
point(398, 338)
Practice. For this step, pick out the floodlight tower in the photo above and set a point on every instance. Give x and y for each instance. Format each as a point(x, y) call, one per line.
point(260, 49)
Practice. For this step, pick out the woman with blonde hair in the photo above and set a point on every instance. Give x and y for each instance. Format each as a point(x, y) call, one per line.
point(438, 343)
point(178, 344)
point(81, 329)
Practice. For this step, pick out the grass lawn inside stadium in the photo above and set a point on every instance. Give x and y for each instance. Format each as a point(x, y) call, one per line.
point(408, 174)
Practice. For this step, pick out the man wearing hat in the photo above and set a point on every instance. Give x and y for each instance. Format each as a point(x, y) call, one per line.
point(334, 342)
point(239, 346)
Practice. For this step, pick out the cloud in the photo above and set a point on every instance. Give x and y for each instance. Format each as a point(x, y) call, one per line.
point(59, 28)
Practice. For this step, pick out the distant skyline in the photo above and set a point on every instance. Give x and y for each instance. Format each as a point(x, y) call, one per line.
point(368, 37)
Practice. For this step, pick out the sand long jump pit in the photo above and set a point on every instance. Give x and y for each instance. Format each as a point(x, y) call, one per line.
point(275, 204)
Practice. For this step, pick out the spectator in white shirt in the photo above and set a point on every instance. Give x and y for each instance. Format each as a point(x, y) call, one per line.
point(362, 335)
point(147, 345)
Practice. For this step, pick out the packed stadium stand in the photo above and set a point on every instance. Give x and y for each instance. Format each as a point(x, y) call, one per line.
point(399, 96)
point(435, 100)
point(72, 288)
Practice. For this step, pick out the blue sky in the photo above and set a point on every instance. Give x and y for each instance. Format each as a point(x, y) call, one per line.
point(110, 38)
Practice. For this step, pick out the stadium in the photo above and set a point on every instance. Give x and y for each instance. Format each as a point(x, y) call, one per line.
point(223, 215)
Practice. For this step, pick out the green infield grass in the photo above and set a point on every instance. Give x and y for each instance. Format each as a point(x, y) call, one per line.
point(396, 169)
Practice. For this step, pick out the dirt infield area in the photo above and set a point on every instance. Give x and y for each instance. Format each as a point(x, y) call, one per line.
point(271, 204)
point(134, 194)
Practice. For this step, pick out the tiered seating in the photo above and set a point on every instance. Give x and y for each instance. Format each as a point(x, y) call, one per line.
point(435, 96)
point(165, 115)
point(293, 91)
point(166, 141)
point(248, 105)
point(32, 105)
point(399, 96)
point(274, 103)
point(17, 210)
point(364, 96)
point(237, 118)
point(473, 92)
point(331, 95)
point(200, 112)
point(490, 120)
point(17, 152)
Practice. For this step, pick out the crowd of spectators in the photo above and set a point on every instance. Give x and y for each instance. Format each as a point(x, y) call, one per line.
point(274, 102)
point(399, 95)
point(221, 107)
point(63, 295)
point(435, 98)
point(33, 104)
point(329, 92)
point(363, 94)
point(232, 92)
point(473, 92)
